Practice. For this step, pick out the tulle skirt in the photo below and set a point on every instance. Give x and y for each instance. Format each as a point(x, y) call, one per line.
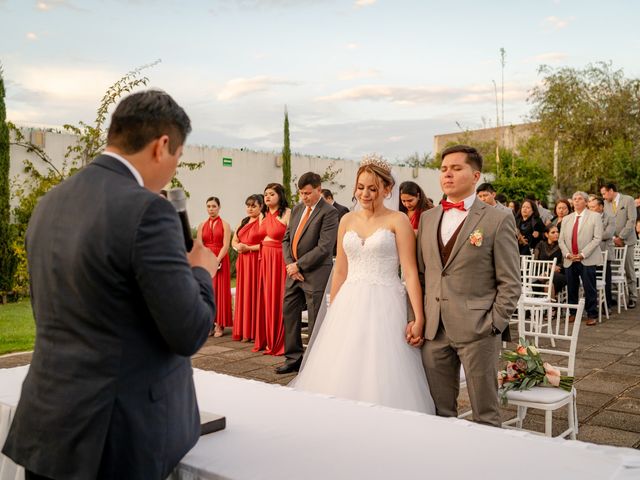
point(360, 351)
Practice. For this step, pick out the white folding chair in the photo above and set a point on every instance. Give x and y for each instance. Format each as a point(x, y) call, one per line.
point(618, 277)
point(535, 278)
point(601, 284)
point(636, 264)
point(566, 340)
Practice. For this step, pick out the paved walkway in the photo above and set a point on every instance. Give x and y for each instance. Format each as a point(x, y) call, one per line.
point(607, 371)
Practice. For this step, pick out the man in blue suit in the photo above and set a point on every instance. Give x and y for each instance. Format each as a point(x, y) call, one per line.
point(119, 308)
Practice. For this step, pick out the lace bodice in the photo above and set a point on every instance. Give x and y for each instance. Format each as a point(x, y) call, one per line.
point(373, 260)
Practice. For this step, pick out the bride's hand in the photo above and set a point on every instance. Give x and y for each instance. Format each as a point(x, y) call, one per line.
point(416, 334)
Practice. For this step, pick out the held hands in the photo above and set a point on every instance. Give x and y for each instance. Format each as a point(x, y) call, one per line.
point(618, 242)
point(201, 256)
point(413, 334)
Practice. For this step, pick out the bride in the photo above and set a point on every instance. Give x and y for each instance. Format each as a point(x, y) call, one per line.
point(361, 352)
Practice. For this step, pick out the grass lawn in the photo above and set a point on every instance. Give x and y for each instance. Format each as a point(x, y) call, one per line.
point(17, 329)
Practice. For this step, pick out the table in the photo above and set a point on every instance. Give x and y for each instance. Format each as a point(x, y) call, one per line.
point(274, 432)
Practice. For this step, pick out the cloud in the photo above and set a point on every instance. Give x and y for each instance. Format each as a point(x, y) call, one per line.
point(364, 3)
point(425, 94)
point(357, 73)
point(548, 58)
point(352, 46)
point(47, 5)
point(240, 87)
point(31, 36)
point(556, 23)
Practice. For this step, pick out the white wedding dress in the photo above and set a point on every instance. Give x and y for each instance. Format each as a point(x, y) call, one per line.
point(360, 351)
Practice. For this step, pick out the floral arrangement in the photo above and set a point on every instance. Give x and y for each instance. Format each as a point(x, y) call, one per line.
point(525, 369)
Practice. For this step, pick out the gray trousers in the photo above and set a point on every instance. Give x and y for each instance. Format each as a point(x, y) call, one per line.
point(630, 274)
point(441, 358)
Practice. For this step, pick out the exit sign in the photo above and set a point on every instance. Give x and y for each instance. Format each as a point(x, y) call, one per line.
point(227, 162)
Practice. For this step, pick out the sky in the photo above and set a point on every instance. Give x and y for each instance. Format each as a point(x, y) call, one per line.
point(356, 76)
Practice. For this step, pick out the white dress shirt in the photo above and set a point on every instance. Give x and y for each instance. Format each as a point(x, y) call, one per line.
point(127, 164)
point(452, 218)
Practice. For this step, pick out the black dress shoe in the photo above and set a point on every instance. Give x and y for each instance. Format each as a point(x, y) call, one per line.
point(287, 368)
point(631, 304)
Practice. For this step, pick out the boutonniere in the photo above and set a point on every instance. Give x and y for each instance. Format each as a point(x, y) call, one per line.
point(476, 238)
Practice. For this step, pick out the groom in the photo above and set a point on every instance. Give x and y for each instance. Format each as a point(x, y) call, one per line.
point(469, 265)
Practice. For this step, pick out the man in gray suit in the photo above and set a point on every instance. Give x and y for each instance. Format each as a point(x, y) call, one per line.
point(469, 264)
point(623, 209)
point(580, 244)
point(119, 308)
point(596, 204)
point(307, 248)
point(487, 194)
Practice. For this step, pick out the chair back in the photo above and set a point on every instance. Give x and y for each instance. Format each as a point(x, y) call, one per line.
point(600, 269)
point(538, 277)
point(617, 262)
point(557, 345)
point(524, 265)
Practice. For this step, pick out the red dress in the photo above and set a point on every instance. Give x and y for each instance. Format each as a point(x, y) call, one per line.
point(415, 220)
point(269, 328)
point(213, 238)
point(247, 277)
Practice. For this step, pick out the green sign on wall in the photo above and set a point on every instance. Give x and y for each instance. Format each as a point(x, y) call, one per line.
point(227, 162)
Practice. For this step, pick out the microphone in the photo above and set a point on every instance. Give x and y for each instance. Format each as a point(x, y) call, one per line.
point(178, 199)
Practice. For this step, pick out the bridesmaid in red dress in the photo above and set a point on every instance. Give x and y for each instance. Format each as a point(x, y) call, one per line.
point(246, 241)
point(269, 323)
point(413, 202)
point(215, 234)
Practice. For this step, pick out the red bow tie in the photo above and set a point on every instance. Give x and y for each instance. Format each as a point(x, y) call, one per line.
point(448, 206)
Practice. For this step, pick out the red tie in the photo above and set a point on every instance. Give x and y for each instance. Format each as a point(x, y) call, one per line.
point(574, 237)
point(448, 206)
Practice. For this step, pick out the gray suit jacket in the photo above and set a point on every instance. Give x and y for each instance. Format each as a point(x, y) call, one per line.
point(589, 237)
point(608, 231)
point(315, 246)
point(479, 287)
point(625, 216)
point(118, 313)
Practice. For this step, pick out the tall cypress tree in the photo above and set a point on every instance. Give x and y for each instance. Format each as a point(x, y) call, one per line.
point(8, 260)
point(286, 159)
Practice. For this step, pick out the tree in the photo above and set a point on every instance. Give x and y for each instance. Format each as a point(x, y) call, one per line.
point(286, 159)
point(8, 260)
point(594, 113)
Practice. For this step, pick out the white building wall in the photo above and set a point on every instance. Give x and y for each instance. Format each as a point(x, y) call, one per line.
point(250, 172)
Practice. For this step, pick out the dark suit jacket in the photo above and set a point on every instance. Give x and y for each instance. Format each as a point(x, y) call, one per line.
point(118, 313)
point(342, 210)
point(315, 246)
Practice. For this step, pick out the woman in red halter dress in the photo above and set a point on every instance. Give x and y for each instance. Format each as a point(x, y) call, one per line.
point(413, 202)
point(215, 234)
point(269, 331)
point(246, 241)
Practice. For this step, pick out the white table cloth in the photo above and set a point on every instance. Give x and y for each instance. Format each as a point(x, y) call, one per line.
point(275, 432)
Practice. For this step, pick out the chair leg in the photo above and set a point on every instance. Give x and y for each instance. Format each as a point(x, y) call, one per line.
point(571, 417)
point(522, 412)
point(548, 421)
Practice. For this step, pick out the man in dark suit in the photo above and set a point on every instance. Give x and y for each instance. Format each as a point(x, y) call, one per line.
point(307, 247)
point(119, 309)
point(328, 197)
point(342, 210)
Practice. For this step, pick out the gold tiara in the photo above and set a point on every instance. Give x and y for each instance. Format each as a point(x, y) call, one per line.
point(377, 160)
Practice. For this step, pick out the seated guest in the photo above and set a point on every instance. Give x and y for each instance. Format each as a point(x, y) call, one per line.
point(548, 250)
point(413, 202)
point(580, 245)
point(514, 205)
point(562, 209)
point(530, 227)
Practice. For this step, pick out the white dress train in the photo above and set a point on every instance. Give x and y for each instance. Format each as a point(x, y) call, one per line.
point(360, 351)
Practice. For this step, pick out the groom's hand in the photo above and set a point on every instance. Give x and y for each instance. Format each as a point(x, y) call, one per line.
point(412, 339)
